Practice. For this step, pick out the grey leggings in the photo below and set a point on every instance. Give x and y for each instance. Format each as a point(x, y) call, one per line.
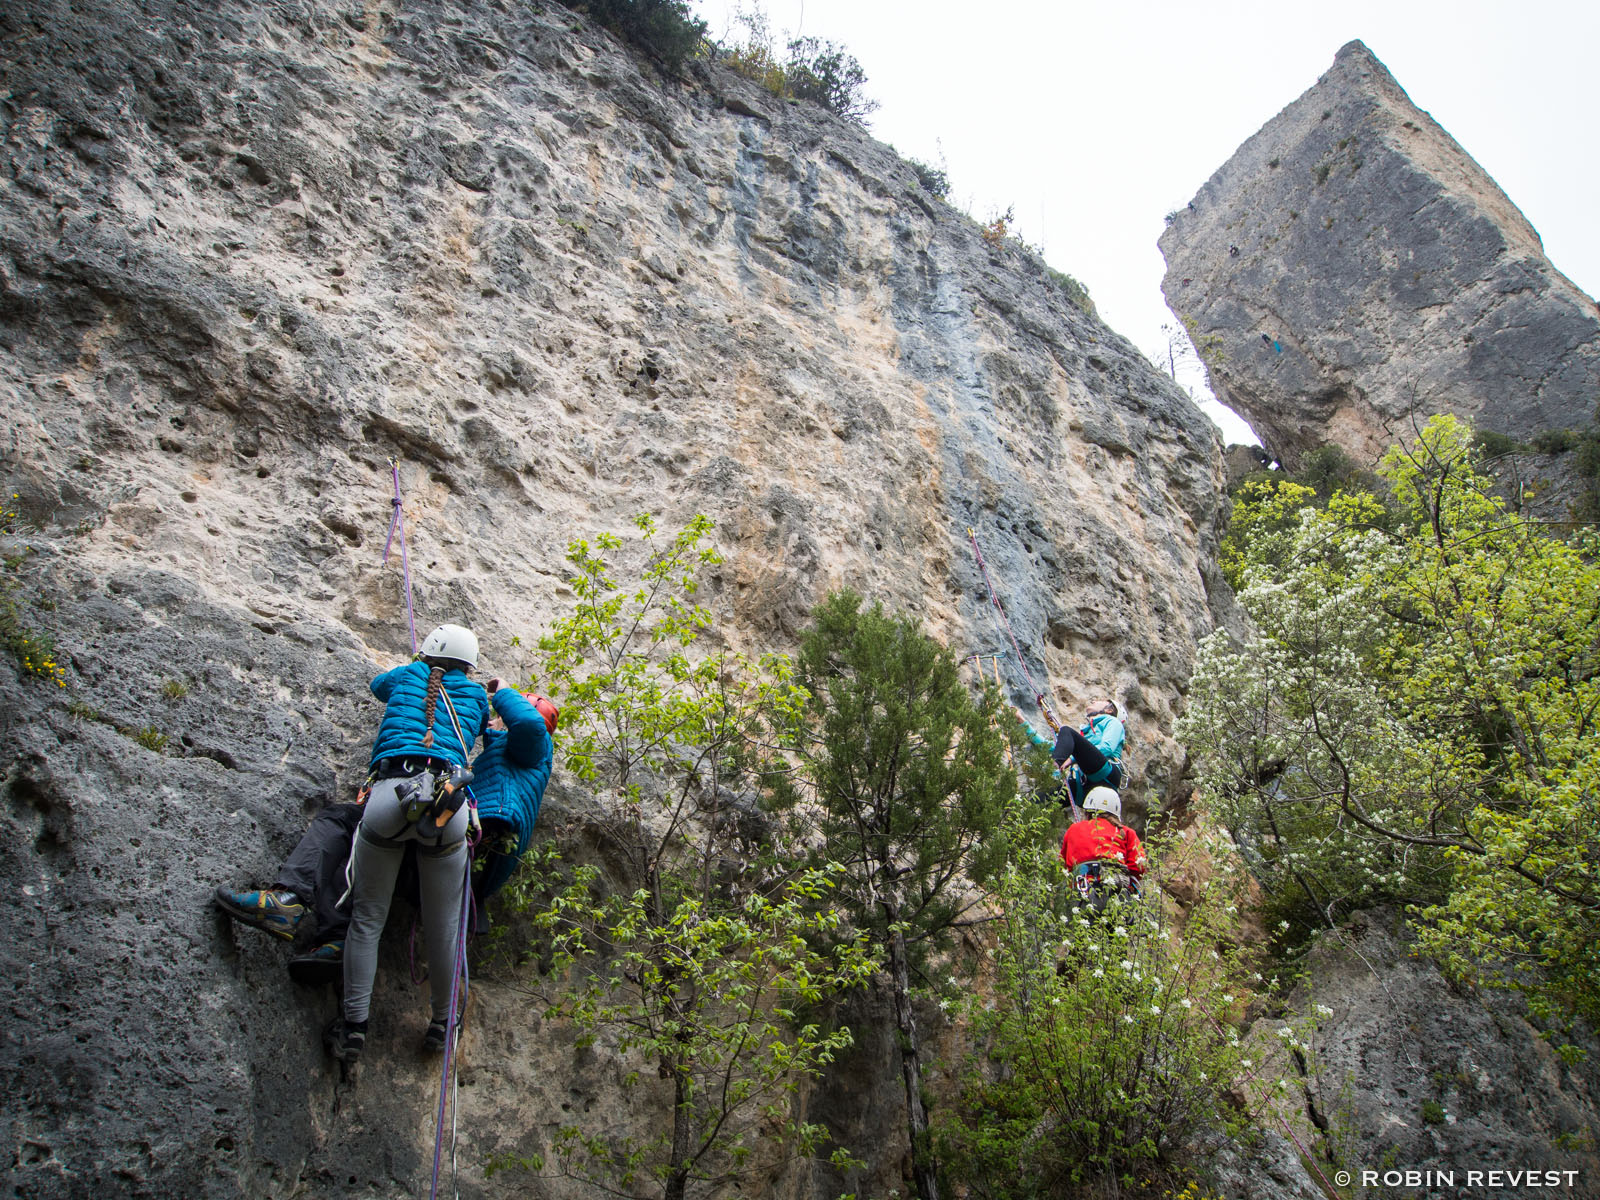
point(380, 845)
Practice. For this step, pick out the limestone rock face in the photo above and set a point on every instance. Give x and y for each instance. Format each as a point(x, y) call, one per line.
point(251, 252)
point(1351, 266)
point(1408, 1071)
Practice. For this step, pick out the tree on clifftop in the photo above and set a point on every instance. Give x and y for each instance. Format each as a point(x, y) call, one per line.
point(911, 775)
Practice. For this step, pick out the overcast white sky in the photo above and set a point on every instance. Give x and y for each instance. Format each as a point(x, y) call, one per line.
point(1095, 120)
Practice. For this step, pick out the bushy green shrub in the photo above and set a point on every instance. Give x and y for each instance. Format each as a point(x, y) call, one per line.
point(666, 30)
point(1555, 441)
point(1412, 719)
point(1587, 457)
point(1075, 291)
point(808, 68)
point(695, 963)
point(1108, 1042)
point(826, 73)
point(930, 179)
point(1496, 445)
point(909, 775)
point(1328, 469)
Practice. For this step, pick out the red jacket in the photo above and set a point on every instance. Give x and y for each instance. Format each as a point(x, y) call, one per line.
point(1100, 839)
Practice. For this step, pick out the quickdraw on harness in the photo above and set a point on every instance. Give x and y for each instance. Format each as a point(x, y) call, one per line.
point(1096, 882)
point(994, 657)
point(1000, 608)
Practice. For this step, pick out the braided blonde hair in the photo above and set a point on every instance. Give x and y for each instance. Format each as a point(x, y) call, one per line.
point(435, 681)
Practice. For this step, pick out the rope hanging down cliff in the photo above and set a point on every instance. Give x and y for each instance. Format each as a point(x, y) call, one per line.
point(1000, 608)
point(397, 522)
point(449, 1080)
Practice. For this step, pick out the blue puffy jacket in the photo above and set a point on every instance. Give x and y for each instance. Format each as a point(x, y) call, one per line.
point(404, 692)
point(509, 777)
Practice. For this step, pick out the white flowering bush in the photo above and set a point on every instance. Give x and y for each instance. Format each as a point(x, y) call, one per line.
point(1413, 719)
point(1103, 1054)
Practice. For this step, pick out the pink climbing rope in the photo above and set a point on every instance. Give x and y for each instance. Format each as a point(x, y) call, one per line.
point(397, 522)
point(994, 598)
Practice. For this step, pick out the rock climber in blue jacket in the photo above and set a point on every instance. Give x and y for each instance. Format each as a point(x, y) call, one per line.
point(509, 780)
point(1095, 751)
point(433, 716)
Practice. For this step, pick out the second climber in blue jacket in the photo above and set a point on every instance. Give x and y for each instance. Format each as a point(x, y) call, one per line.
point(509, 779)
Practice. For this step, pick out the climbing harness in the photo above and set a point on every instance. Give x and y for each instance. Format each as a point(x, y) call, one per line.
point(994, 598)
point(1097, 882)
point(397, 522)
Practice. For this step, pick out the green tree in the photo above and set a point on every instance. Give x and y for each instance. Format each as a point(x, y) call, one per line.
point(1108, 1042)
point(666, 30)
point(911, 777)
point(813, 69)
point(701, 952)
point(1414, 719)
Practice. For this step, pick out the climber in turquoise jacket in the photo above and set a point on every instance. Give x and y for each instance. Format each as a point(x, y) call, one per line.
point(511, 775)
point(1095, 750)
point(433, 716)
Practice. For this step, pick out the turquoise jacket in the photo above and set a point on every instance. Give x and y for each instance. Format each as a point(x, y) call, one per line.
point(1105, 733)
point(510, 776)
point(404, 692)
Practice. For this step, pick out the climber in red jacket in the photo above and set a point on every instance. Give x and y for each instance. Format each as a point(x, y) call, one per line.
point(1099, 841)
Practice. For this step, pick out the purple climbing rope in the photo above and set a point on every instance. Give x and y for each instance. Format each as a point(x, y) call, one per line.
point(994, 598)
point(398, 522)
point(458, 987)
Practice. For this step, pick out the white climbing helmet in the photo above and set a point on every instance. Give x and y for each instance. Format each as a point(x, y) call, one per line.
point(451, 641)
point(1103, 799)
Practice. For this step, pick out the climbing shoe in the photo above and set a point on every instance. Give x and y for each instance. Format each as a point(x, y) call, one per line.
point(320, 964)
point(438, 1033)
point(345, 1039)
point(276, 913)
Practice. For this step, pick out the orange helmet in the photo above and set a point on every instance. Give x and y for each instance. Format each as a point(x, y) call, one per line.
point(548, 711)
